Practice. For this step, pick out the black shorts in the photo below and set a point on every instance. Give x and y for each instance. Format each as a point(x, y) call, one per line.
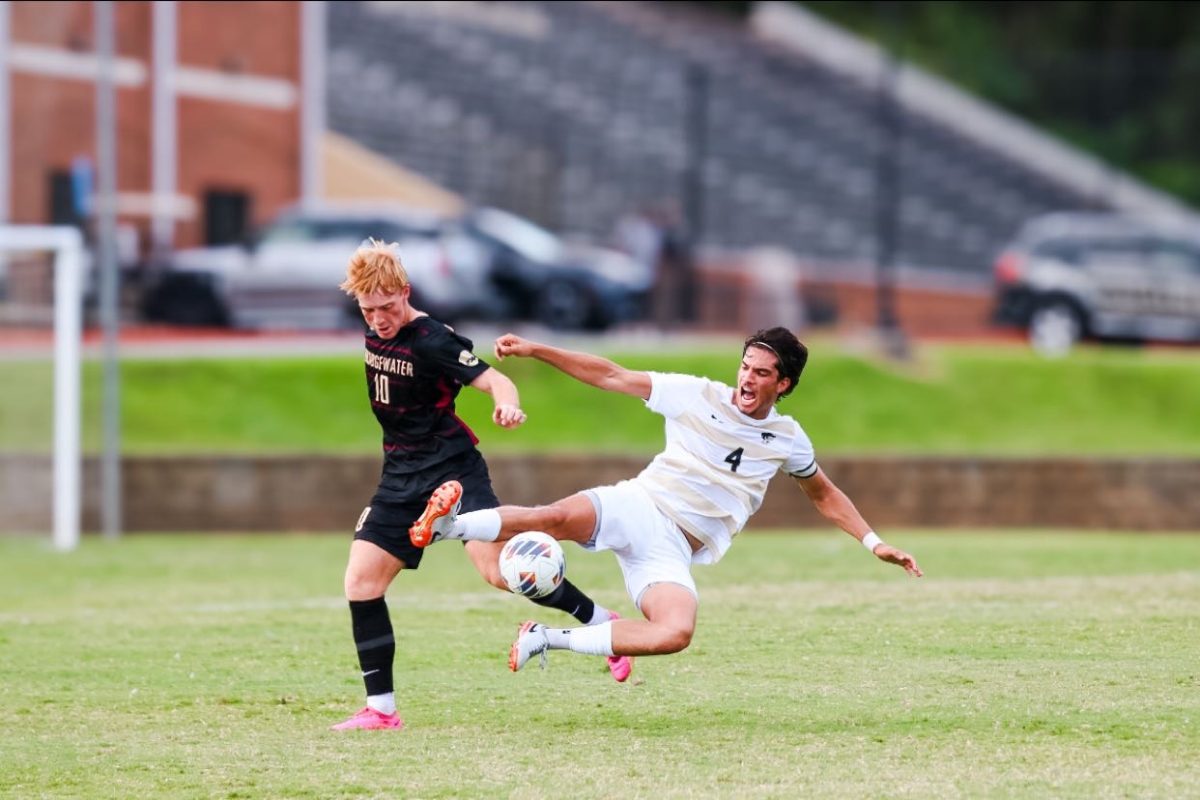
point(385, 522)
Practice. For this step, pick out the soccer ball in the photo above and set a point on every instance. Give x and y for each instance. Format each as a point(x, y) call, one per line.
point(532, 564)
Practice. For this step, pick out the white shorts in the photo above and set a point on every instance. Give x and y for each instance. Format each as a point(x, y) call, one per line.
point(649, 546)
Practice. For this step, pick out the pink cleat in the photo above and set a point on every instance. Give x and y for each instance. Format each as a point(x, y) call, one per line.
point(370, 720)
point(619, 666)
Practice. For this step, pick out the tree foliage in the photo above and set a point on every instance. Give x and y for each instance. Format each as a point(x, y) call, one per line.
point(1116, 78)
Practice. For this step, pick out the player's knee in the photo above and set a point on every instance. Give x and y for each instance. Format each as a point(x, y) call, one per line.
point(359, 586)
point(556, 517)
point(675, 639)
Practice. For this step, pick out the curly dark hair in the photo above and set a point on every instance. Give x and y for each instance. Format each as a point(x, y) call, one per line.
point(790, 353)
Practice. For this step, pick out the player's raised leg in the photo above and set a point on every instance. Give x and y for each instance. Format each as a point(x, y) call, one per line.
point(570, 519)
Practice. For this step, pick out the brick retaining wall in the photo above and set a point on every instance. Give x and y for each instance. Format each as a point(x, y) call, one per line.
point(318, 493)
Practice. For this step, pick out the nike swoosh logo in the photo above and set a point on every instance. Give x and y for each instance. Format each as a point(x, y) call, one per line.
point(370, 672)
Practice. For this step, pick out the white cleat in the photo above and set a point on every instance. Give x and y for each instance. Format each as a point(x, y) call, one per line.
point(531, 641)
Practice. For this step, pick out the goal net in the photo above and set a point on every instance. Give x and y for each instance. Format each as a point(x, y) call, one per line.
point(41, 310)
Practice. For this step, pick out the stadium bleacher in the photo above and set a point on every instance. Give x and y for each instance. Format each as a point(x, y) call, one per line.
point(576, 113)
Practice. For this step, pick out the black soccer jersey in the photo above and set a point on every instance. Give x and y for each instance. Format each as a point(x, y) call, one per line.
point(412, 381)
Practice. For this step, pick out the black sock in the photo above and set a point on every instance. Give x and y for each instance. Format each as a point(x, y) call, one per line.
point(375, 642)
point(568, 598)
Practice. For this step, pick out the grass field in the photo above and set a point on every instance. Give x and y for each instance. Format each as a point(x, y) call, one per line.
point(952, 399)
point(1023, 665)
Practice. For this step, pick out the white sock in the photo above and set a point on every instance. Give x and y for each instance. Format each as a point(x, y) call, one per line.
point(383, 703)
point(591, 640)
point(601, 614)
point(477, 526)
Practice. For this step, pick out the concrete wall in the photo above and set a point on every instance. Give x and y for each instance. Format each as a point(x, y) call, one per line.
point(317, 493)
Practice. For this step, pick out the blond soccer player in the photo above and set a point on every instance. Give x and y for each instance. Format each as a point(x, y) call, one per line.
point(415, 367)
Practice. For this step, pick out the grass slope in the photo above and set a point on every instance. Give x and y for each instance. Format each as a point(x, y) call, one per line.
point(1023, 665)
point(954, 399)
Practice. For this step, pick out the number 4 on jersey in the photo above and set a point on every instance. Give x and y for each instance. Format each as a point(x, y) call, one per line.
point(734, 458)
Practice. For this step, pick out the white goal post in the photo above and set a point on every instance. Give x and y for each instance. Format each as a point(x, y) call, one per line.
point(66, 244)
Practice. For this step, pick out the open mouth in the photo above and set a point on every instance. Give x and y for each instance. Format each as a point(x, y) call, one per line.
point(746, 395)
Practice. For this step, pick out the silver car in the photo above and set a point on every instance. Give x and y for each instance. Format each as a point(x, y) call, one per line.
point(288, 276)
point(1072, 275)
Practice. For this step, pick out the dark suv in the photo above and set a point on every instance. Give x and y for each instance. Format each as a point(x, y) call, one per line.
point(1070, 275)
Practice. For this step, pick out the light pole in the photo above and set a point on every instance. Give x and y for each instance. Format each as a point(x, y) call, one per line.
point(887, 186)
point(106, 224)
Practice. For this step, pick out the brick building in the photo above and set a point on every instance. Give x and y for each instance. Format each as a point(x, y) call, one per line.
point(219, 113)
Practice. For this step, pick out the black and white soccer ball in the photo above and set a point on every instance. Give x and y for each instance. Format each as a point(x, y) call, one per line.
point(532, 564)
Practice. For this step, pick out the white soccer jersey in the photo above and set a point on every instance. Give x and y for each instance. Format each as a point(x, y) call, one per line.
point(715, 469)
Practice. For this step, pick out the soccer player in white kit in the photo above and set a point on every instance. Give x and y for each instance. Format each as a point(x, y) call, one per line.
point(723, 446)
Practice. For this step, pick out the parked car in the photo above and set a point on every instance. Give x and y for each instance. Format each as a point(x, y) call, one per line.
point(560, 283)
point(1067, 276)
point(486, 264)
point(288, 275)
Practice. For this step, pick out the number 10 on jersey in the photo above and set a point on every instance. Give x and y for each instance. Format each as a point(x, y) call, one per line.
point(383, 392)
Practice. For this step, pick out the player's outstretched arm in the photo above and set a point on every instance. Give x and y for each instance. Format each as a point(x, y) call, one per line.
point(835, 506)
point(585, 367)
point(507, 412)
